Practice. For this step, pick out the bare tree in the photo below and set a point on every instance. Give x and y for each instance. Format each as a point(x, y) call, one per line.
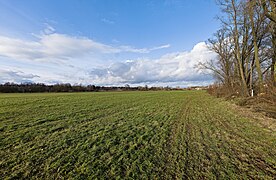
point(269, 7)
point(243, 46)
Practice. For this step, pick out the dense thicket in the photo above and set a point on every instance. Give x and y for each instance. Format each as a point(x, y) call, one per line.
point(245, 47)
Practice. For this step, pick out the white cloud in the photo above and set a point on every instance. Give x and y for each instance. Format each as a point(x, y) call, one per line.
point(77, 61)
point(64, 46)
point(160, 47)
point(52, 45)
point(107, 21)
point(175, 67)
point(19, 49)
point(48, 30)
point(16, 76)
point(143, 50)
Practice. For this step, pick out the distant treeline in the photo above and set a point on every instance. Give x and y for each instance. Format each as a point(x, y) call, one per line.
point(40, 87)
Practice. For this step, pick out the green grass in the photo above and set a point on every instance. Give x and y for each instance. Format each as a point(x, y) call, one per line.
point(133, 135)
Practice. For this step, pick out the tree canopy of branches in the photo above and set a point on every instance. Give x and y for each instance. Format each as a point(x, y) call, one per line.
point(245, 46)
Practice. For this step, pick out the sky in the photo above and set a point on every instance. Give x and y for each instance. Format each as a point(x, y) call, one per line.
point(106, 42)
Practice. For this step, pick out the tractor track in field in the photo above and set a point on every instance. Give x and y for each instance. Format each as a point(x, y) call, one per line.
point(172, 144)
point(187, 146)
point(217, 144)
point(254, 158)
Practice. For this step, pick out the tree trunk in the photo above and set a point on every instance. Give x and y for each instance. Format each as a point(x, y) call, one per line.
point(272, 17)
point(256, 49)
point(237, 51)
point(273, 63)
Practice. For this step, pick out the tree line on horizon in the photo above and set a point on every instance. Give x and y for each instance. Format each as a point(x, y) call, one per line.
point(67, 87)
point(245, 46)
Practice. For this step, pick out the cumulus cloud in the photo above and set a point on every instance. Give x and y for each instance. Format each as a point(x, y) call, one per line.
point(51, 45)
point(16, 76)
point(174, 67)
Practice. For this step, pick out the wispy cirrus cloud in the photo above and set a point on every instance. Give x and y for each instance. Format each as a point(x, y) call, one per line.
point(143, 50)
point(48, 29)
point(107, 21)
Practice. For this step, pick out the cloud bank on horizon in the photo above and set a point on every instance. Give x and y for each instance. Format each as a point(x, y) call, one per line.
point(59, 58)
point(174, 68)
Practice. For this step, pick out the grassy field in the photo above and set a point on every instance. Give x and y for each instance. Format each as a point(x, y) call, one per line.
point(133, 135)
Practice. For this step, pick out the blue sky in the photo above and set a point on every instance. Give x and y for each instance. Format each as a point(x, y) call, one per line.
point(106, 42)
